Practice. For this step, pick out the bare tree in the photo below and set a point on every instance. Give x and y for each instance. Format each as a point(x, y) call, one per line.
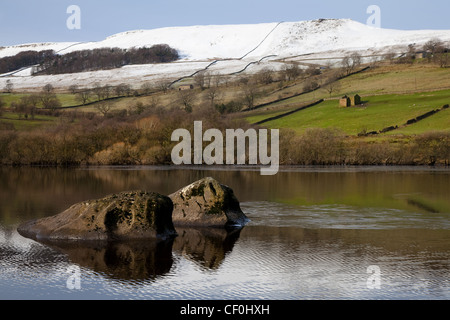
point(107, 91)
point(9, 86)
point(50, 102)
point(390, 56)
point(48, 98)
point(154, 102)
point(441, 56)
point(265, 76)
point(146, 88)
point(332, 84)
point(216, 79)
point(26, 107)
point(73, 89)
point(310, 85)
point(356, 59)
point(291, 71)
point(249, 95)
point(104, 107)
point(128, 90)
point(121, 89)
point(432, 46)
point(212, 95)
point(208, 79)
point(244, 80)
point(409, 56)
point(18, 108)
point(31, 102)
point(187, 99)
point(351, 62)
point(312, 71)
point(200, 79)
point(48, 88)
point(84, 96)
point(346, 64)
point(98, 91)
point(163, 85)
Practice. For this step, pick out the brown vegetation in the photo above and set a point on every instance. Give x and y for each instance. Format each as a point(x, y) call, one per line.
point(115, 138)
point(331, 147)
point(130, 138)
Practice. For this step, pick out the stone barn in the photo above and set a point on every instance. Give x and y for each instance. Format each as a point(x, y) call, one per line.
point(355, 100)
point(421, 55)
point(186, 87)
point(345, 102)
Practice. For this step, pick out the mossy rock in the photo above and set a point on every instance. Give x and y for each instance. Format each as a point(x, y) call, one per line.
point(207, 203)
point(123, 216)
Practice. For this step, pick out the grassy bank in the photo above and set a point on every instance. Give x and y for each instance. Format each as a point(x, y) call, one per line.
point(137, 129)
point(376, 113)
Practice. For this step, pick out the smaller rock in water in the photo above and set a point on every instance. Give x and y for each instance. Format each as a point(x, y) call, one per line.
point(207, 203)
point(123, 216)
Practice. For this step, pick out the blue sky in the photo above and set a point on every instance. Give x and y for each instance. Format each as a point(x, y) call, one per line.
point(45, 20)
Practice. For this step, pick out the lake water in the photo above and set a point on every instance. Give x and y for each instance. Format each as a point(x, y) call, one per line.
point(315, 233)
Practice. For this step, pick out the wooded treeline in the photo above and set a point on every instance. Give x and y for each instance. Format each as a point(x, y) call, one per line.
point(24, 59)
point(49, 62)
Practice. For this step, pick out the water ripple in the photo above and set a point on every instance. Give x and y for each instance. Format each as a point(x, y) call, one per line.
point(277, 256)
point(340, 217)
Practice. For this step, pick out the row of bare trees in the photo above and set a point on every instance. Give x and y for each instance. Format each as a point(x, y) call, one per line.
point(290, 71)
point(27, 106)
point(438, 52)
point(100, 92)
point(434, 51)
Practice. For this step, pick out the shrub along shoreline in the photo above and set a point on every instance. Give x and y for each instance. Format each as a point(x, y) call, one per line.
point(145, 139)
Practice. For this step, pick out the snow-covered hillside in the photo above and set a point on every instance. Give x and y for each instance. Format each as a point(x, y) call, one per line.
point(233, 46)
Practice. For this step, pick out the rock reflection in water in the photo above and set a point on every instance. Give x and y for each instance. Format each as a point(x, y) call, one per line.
point(122, 260)
point(208, 247)
point(149, 259)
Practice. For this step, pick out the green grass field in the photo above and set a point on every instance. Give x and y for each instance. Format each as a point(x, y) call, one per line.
point(397, 78)
point(23, 124)
point(387, 92)
point(439, 121)
point(10, 98)
point(377, 113)
point(26, 124)
point(387, 88)
point(66, 99)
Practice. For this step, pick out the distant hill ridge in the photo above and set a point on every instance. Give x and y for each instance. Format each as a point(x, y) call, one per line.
point(233, 41)
point(226, 50)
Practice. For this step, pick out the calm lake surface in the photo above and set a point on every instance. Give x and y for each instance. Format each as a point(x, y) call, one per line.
point(315, 233)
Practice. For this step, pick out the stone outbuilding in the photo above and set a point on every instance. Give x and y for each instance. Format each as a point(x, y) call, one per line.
point(355, 100)
point(345, 102)
point(352, 101)
point(186, 87)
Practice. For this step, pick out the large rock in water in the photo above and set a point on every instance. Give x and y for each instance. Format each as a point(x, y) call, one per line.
point(123, 216)
point(207, 203)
